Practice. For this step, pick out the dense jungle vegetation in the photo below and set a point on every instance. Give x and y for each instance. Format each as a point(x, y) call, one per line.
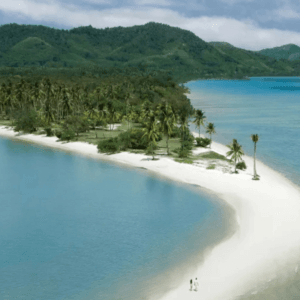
point(76, 84)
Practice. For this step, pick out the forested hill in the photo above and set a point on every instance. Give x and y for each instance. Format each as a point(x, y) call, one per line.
point(289, 51)
point(148, 48)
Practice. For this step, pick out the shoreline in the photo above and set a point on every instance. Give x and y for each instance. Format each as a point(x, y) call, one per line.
point(267, 213)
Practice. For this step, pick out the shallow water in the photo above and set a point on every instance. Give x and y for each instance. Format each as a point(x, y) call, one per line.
point(269, 107)
point(78, 228)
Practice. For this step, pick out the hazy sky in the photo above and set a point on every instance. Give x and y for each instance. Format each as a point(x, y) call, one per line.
point(248, 24)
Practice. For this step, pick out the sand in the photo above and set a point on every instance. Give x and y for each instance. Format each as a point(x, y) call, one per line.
point(267, 212)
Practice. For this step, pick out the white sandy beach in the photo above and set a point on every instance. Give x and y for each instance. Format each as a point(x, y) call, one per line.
point(267, 211)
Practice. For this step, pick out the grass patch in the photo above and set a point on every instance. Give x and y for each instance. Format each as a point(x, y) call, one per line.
point(211, 167)
point(184, 160)
point(212, 155)
point(5, 122)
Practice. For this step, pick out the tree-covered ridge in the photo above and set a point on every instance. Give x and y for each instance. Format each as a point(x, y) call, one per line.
point(149, 48)
point(289, 52)
point(251, 61)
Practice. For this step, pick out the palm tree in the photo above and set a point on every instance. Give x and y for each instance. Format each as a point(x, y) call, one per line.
point(199, 119)
point(235, 152)
point(93, 113)
point(210, 129)
point(255, 139)
point(183, 119)
point(128, 111)
point(151, 133)
point(167, 121)
point(146, 110)
point(66, 103)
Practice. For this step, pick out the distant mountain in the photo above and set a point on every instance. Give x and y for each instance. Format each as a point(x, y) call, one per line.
point(148, 47)
point(289, 52)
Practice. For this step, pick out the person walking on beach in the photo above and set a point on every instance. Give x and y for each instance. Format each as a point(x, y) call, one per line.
point(191, 284)
point(196, 284)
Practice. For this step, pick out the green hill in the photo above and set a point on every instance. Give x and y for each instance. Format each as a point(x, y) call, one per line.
point(290, 52)
point(252, 60)
point(149, 48)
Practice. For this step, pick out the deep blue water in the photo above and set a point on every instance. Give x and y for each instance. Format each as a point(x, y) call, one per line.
point(78, 228)
point(267, 106)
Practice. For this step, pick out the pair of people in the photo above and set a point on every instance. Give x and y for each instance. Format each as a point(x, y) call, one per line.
point(196, 284)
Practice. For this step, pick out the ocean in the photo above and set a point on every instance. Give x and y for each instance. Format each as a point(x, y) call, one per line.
point(79, 228)
point(269, 107)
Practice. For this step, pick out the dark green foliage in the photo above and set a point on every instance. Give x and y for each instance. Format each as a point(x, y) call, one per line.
point(241, 165)
point(125, 140)
point(49, 131)
point(187, 140)
point(145, 50)
point(187, 144)
point(26, 120)
point(58, 133)
point(202, 142)
point(67, 135)
point(182, 153)
point(76, 124)
point(110, 145)
point(133, 139)
point(150, 149)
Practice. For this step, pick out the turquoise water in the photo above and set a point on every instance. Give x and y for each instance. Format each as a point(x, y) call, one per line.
point(77, 228)
point(269, 107)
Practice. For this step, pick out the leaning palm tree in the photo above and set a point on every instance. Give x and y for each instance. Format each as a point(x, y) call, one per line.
point(199, 119)
point(235, 152)
point(255, 139)
point(210, 129)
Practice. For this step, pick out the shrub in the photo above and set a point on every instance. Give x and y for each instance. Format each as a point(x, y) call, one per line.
point(133, 139)
point(241, 165)
point(110, 145)
point(58, 133)
point(67, 135)
point(202, 142)
point(76, 124)
point(49, 131)
point(124, 140)
point(187, 145)
point(188, 140)
point(182, 153)
point(211, 167)
point(26, 120)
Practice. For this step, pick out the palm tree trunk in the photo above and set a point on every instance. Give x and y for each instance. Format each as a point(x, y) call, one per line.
point(210, 141)
point(199, 131)
point(168, 152)
point(95, 130)
point(235, 165)
point(255, 160)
